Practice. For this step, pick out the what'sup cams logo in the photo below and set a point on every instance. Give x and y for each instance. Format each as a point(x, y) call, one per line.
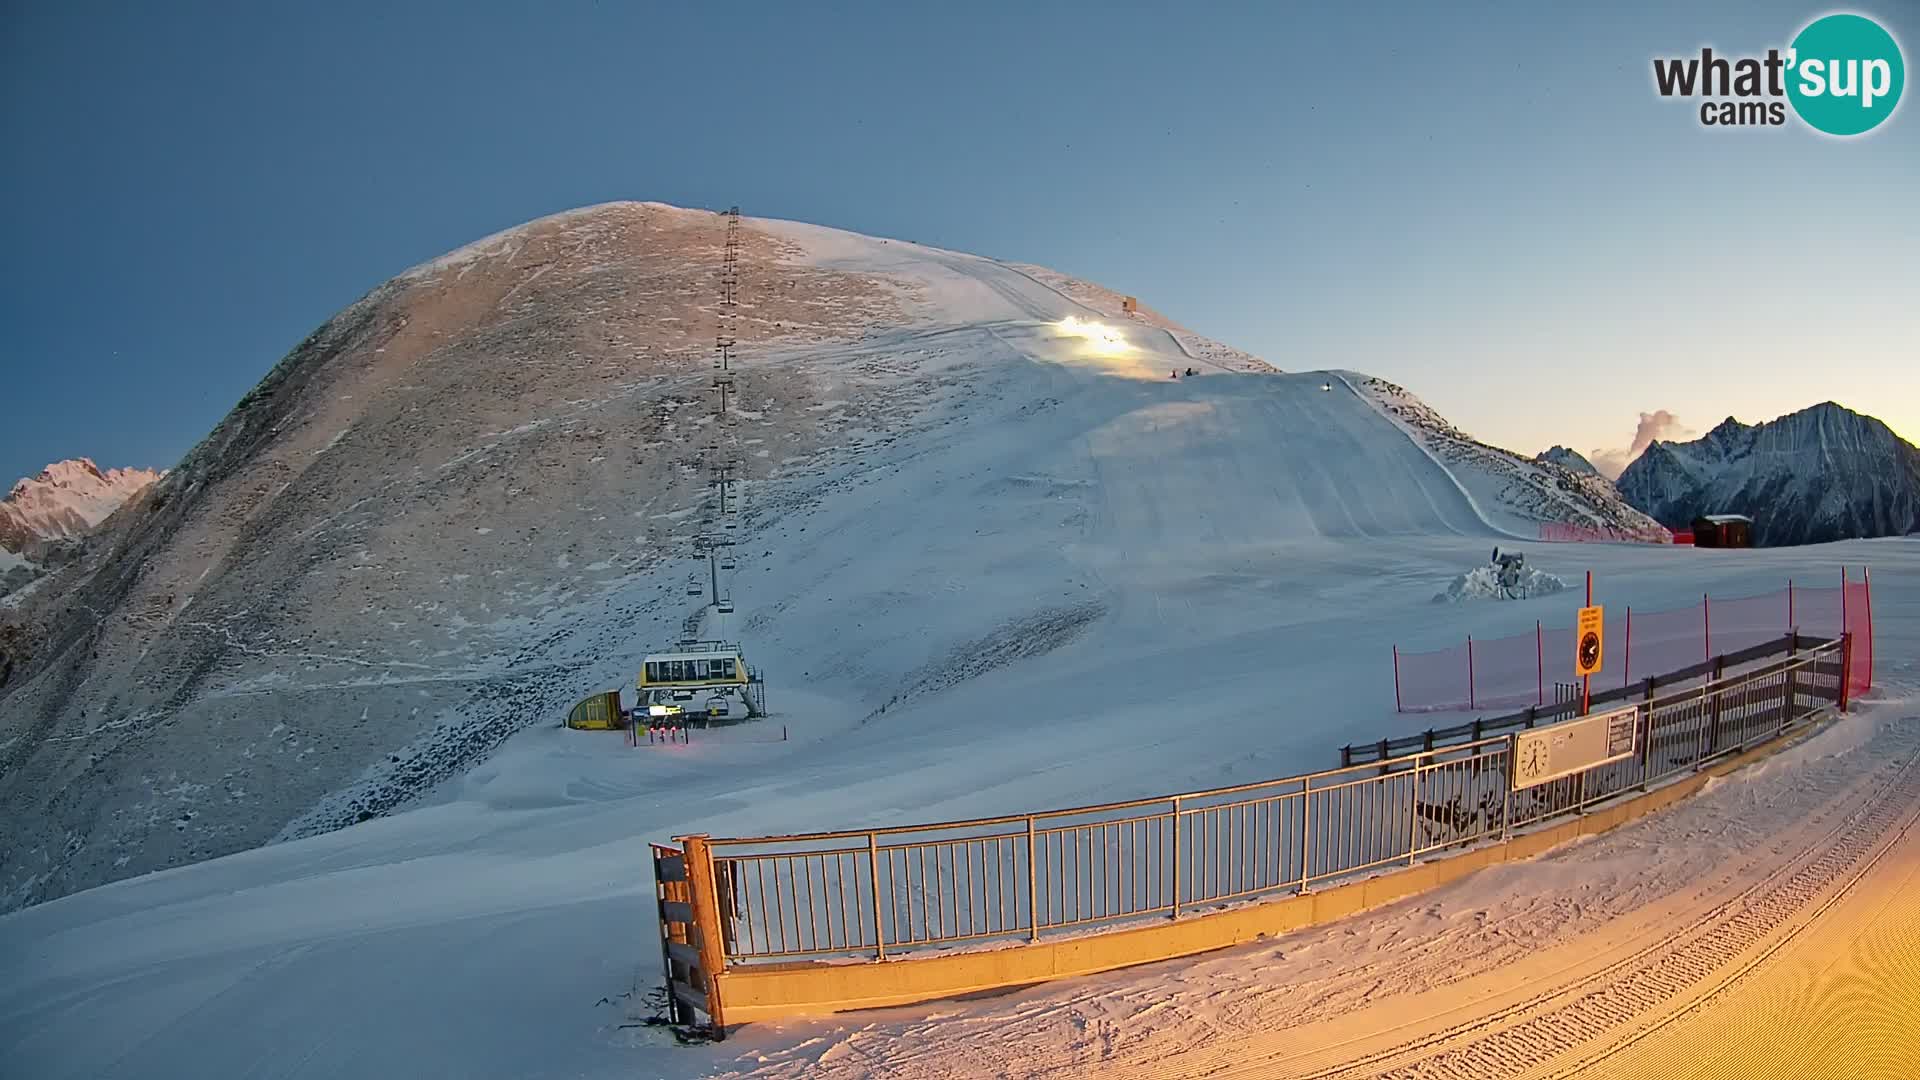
point(1842, 75)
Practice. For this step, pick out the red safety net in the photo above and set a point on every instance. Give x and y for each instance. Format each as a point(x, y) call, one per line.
point(1858, 601)
point(1433, 681)
point(1522, 669)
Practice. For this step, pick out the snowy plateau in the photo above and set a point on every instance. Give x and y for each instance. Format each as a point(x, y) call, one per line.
point(286, 789)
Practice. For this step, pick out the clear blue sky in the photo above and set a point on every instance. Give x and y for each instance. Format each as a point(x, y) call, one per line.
point(1486, 202)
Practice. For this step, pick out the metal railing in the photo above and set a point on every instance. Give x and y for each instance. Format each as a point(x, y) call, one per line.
point(876, 892)
point(1566, 701)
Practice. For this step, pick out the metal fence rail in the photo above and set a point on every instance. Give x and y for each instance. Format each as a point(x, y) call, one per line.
point(1567, 706)
point(877, 892)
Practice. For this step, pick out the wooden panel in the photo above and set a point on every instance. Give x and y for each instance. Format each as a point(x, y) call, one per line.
point(670, 868)
point(686, 954)
point(675, 911)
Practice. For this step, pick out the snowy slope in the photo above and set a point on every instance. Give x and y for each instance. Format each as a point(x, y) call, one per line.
point(991, 561)
point(1823, 473)
point(1514, 493)
point(1112, 305)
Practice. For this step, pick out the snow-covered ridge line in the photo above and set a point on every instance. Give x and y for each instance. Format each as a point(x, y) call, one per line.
point(67, 499)
point(1514, 493)
point(1821, 474)
point(1112, 304)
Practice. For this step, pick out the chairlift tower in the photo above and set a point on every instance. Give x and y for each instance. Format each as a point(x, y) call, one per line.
point(716, 545)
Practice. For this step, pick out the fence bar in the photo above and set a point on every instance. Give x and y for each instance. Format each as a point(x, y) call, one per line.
point(1706, 616)
point(1626, 674)
point(1241, 838)
point(1396, 679)
point(873, 871)
point(1306, 832)
point(1866, 583)
point(1472, 699)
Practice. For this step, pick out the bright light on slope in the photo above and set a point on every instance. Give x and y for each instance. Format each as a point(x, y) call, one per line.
point(1104, 340)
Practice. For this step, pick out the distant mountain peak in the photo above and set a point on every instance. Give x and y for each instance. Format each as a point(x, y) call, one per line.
point(1825, 472)
point(66, 499)
point(1568, 458)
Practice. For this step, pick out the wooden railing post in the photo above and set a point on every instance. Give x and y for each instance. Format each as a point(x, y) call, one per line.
point(706, 927)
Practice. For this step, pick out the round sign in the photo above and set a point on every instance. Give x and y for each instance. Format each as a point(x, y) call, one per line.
point(1589, 651)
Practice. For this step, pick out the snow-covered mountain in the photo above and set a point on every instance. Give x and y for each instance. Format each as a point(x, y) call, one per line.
point(1569, 459)
point(68, 500)
point(1515, 493)
point(1821, 474)
point(477, 494)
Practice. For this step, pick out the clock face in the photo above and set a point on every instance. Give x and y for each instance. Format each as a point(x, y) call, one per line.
point(1534, 761)
point(1589, 651)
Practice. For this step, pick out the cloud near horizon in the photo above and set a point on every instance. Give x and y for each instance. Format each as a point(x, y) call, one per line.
point(1659, 424)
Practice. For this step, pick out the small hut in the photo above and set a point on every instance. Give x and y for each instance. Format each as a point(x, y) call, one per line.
point(1723, 530)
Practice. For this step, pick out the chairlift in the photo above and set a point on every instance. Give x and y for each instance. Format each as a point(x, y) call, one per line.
point(724, 606)
point(694, 589)
point(728, 563)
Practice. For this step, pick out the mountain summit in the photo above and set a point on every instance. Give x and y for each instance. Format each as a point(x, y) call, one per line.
point(1821, 474)
point(489, 487)
point(1569, 459)
point(68, 499)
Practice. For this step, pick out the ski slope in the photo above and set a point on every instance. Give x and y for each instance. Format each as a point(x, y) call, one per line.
point(1056, 576)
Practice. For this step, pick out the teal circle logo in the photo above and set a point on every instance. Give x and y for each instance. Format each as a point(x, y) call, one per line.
point(1844, 74)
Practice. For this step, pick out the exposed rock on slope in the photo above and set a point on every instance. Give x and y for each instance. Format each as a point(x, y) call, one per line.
point(353, 578)
point(1568, 459)
point(1514, 492)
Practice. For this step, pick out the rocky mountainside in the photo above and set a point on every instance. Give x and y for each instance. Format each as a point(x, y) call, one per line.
point(481, 491)
point(361, 575)
point(1517, 493)
point(1569, 459)
point(474, 496)
point(1821, 474)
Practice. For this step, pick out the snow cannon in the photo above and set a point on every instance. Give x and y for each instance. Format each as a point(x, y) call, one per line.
point(1509, 567)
